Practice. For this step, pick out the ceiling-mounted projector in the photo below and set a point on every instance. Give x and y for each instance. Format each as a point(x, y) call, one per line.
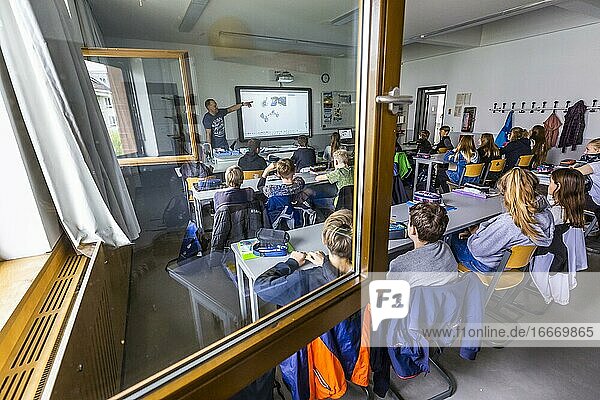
point(284, 77)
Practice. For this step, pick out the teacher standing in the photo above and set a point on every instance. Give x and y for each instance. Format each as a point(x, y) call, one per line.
point(214, 122)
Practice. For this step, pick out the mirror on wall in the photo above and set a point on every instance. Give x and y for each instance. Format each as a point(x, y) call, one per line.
point(146, 101)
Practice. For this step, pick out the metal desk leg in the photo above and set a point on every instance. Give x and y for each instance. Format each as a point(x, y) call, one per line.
point(197, 319)
point(429, 172)
point(416, 175)
point(198, 212)
point(253, 302)
point(241, 291)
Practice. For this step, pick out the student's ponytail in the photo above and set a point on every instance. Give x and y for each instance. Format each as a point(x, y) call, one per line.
point(518, 187)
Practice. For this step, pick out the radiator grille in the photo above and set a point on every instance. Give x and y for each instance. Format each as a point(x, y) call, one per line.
point(24, 373)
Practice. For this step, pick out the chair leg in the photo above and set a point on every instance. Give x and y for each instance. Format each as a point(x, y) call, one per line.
point(446, 375)
point(590, 227)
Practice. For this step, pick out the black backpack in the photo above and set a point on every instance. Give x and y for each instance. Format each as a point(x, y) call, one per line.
point(176, 213)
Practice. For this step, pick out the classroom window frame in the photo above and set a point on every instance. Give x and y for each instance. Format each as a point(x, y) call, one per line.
point(182, 57)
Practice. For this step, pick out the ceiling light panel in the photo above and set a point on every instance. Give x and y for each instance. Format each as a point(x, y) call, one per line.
point(192, 15)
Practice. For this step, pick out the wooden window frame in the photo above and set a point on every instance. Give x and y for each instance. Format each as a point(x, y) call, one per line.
point(183, 57)
point(271, 340)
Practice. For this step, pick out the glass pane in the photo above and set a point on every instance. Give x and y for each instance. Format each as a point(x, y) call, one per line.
point(142, 101)
point(265, 214)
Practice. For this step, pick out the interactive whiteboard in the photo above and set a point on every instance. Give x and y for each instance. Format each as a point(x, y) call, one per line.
point(276, 113)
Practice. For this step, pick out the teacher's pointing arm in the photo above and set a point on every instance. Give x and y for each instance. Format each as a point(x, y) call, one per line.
point(236, 107)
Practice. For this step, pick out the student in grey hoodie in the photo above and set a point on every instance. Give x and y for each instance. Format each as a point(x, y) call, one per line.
point(528, 221)
point(431, 263)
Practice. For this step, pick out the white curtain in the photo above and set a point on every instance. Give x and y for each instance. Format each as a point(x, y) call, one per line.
point(91, 35)
point(64, 122)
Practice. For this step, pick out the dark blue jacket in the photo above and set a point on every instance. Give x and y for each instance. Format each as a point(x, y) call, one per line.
point(304, 157)
point(285, 283)
point(443, 306)
point(513, 150)
point(320, 369)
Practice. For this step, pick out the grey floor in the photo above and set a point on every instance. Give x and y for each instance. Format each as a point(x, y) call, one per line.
point(161, 330)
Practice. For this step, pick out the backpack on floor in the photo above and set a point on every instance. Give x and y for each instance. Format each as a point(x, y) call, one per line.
point(190, 246)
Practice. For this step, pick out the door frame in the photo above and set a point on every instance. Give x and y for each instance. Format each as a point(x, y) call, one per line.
point(201, 375)
point(421, 109)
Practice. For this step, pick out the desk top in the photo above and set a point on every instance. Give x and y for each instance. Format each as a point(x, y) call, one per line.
point(469, 211)
point(303, 239)
point(309, 179)
point(206, 278)
point(434, 159)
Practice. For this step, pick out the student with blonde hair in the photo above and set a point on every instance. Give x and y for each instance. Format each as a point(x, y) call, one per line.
point(527, 221)
point(342, 175)
point(238, 214)
point(286, 282)
point(234, 177)
point(465, 153)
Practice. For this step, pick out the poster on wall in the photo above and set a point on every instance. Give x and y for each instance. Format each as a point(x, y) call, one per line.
point(468, 120)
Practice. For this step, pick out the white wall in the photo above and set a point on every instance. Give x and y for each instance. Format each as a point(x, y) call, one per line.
point(216, 78)
point(555, 66)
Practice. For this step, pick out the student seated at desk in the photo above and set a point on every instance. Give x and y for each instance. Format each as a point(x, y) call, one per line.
point(281, 197)
point(342, 175)
point(487, 150)
point(539, 145)
point(591, 169)
point(238, 214)
point(518, 145)
point(423, 143)
point(251, 161)
point(445, 141)
point(342, 352)
point(304, 156)
point(332, 147)
point(465, 153)
point(528, 221)
point(431, 263)
point(285, 282)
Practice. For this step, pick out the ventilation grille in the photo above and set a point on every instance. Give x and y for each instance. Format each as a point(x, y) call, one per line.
point(24, 373)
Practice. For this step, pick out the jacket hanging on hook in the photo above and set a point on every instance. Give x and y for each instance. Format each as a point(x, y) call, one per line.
point(552, 126)
point(503, 134)
point(572, 133)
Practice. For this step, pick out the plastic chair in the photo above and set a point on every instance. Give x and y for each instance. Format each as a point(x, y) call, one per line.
point(496, 167)
point(345, 198)
point(190, 187)
point(515, 258)
point(525, 161)
point(470, 171)
point(253, 174)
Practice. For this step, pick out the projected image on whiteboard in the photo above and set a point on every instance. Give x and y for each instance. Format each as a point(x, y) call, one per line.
point(276, 113)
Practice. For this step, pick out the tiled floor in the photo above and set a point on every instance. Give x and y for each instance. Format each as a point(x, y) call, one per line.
point(161, 330)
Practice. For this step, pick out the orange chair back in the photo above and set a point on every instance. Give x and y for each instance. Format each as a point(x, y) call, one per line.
point(497, 165)
point(473, 170)
point(190, 186)
point(442, 150)
point(520, 256)
point(525, 161)
point(253, 174)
